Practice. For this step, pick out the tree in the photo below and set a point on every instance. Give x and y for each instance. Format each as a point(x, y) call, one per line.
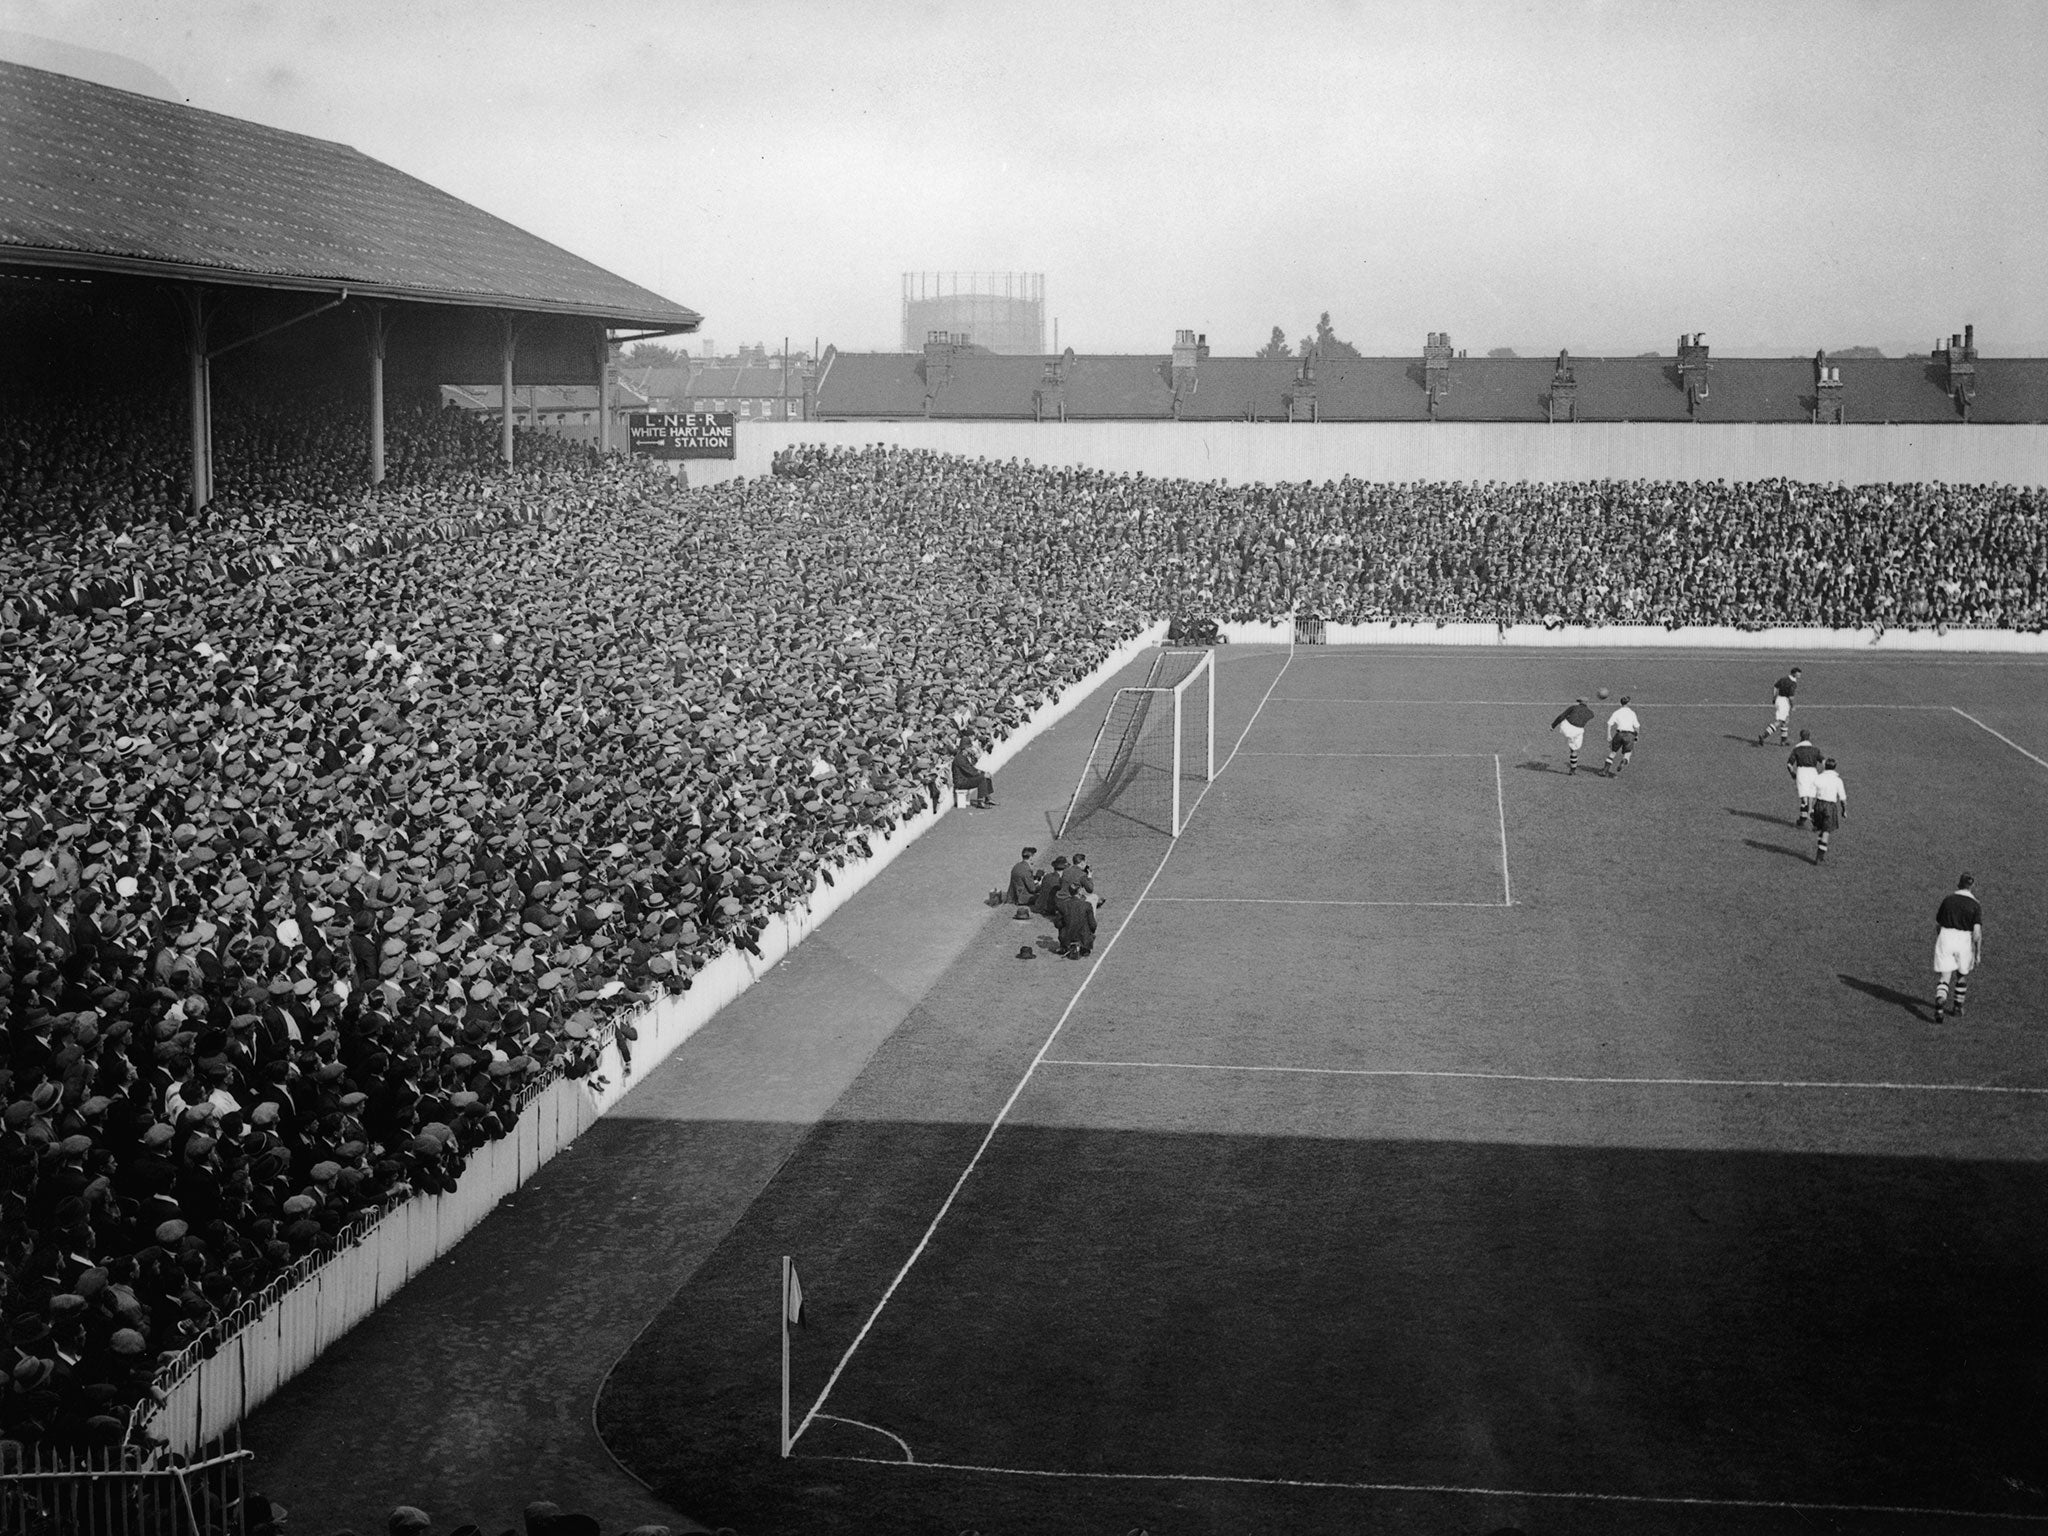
point(1275, 349)
point(1326, 344)
point(1856, 352)
point(1503, 352)
point(646, 354)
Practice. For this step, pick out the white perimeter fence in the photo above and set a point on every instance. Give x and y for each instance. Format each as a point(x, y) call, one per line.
point(1240, 452)
point(250, 1355)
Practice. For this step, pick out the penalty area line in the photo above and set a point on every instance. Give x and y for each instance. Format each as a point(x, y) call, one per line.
point(1500, 800)
point(1552, 703)
point(1311, 901)
point(1458, 1490)
point(1786, 1084)
point(1367, 754)
point(2023, 752)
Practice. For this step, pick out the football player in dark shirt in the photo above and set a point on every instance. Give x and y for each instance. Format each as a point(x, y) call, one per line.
point(1958, 943)
point(1571, 723)
point(1804, 765)
point(1781, 708)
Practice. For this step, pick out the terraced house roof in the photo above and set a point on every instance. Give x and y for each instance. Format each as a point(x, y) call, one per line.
point(1141, 387)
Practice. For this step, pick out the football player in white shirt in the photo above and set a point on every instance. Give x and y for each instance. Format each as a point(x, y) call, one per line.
point(1830, 807)
point(1622, 730)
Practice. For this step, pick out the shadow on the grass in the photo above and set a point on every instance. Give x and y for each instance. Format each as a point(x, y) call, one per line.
point(1790, 853)
point(1767, 820)
point(1139, 1301)
point(1884, 994)
point(1535, 765)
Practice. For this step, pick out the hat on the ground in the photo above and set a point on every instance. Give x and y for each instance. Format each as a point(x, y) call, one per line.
point(1027, 953)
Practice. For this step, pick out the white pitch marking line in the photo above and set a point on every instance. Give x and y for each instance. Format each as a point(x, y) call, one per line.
point(863, 1424)
point(2023, 752)
point(1550, 703)
point(1366, 754)
point(1694, 1501)
point(1536, 1077)
point(1024, 1081)
point(1662, 654)
point(1312, 901)
point(1500, 800)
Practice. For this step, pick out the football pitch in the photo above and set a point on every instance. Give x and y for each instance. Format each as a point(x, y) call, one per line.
point(1436, 1141)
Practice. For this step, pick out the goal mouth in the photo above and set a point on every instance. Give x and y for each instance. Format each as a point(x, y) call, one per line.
point(1155, 749)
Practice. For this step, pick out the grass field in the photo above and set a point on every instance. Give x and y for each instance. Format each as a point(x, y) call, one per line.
point(1436, 1141)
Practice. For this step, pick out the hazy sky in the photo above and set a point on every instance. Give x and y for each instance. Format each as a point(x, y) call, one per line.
point(1601, 176)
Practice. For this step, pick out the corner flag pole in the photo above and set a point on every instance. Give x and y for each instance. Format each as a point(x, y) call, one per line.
point(792, 1310)
point(787, 1270)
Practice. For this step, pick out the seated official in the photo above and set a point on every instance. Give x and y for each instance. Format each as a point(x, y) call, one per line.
point(1025, 879)
point(967, 774)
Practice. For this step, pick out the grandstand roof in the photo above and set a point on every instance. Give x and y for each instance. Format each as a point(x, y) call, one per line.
point(886, 385)
point(100, 179)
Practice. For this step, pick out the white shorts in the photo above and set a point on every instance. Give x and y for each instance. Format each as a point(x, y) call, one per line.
point(1807, 780)
point(1784, 709)
point(1574, 735)
point(1953, 951)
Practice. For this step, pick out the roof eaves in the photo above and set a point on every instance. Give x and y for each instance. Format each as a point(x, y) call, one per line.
point(678, 320)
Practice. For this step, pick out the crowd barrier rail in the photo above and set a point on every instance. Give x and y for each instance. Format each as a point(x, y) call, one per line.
point(244, 1358)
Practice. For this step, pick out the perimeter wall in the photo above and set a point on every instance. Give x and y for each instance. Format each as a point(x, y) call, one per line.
point(1242, 452)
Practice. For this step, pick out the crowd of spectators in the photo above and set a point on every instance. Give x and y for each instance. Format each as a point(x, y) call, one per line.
point(335, 822)
point(311, 868)
point(1748, 554)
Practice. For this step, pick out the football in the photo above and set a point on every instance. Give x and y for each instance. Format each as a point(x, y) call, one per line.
point(1603, 693)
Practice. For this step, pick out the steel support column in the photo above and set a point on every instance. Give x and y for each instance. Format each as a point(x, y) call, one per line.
point(604, 392)
point(376, 333)
point(511, 340)
point(192, 299)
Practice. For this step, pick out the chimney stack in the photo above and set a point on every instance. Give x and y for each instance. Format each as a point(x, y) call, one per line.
point(1695, 369)
point(1962, 369)
point(1436, 367)
point(1564, 390)
point(1301, 396)
point(1827, 392)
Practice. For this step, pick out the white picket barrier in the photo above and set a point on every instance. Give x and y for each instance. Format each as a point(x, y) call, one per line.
point(1623, 636)
point(246, 1358)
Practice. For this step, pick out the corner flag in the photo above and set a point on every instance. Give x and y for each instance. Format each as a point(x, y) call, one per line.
point(792, 1312)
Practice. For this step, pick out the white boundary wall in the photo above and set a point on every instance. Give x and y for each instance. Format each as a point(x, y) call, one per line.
point(1253, 452)
point(1654, 636)
point(269, 1345)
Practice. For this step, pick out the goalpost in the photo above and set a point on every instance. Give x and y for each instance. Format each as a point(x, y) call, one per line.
point(1156, 748)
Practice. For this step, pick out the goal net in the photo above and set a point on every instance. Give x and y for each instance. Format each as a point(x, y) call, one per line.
point(1155, 751)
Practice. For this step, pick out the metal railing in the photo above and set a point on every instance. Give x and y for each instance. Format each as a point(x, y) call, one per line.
point(120, 1490)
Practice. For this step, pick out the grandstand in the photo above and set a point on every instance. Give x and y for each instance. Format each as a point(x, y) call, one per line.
point(382, 792)
point(128, 218)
